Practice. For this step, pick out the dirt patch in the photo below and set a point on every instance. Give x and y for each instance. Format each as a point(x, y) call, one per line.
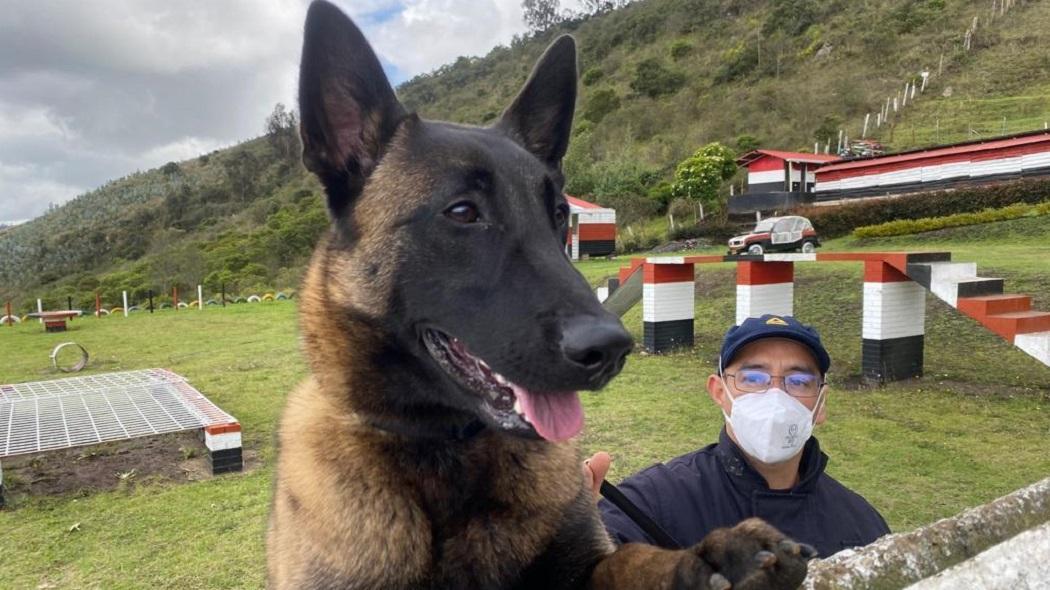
point(177, 457)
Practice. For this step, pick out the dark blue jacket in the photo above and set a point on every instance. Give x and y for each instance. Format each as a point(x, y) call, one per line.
point(714, 487)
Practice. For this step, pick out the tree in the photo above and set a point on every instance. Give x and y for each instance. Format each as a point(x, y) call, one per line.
point(699, 177)
point(282, 127)
point(242, 169)
point(540, 15)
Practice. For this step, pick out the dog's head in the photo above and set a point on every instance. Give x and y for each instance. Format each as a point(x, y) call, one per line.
point(449, 240)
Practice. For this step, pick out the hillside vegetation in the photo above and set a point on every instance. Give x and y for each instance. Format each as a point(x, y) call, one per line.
point(659, 79)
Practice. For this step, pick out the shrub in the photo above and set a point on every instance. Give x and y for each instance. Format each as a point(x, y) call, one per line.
point(601, 103)
point(592, 75)
point(911, 226)
point(662, 193)
point(652, 79)
point(746, 143)
point(680, 49)
point(840, 220)
point(715, 229)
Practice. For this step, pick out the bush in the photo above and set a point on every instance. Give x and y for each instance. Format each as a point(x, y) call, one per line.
point(601, 103)
point(715, 229)
point(913, 226)
point(680, 49)
point(652, 79)
point(630, 240)
point(592, 75)
point(841, 220)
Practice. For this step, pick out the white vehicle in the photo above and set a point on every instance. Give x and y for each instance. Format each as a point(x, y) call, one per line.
point(777, 234)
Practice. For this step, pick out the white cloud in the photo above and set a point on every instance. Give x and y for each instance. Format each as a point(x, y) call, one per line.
point(94, 89)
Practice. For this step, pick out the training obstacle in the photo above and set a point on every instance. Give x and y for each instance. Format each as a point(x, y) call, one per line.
point(894, 301)
point(44, 416)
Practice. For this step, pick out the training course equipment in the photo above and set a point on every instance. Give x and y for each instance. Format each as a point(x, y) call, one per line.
point(44, 416)
point(55, 321)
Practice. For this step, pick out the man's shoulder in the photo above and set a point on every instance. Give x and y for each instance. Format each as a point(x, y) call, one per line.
point(837, 495)
point(689, 465)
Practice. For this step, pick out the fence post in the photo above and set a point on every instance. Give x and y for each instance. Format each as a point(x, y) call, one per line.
point(223, 288)
point(200, 298)
point(175, 297)
point(10, 320)
point(125, 299)
point(98, 305)
point(40, 308)
point(69, 303)
point(151, 300)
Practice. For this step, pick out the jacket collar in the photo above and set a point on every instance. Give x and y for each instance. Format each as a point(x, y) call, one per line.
point(747, 480)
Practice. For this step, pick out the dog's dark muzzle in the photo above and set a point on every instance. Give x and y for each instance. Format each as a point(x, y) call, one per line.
point(596, 347)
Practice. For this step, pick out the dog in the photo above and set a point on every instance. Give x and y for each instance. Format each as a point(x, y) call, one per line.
point(447, 334)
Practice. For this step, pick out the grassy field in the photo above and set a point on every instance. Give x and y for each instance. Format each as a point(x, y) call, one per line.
point(974, 428)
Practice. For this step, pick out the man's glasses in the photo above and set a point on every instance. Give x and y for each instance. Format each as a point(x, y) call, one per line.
point(795, 384)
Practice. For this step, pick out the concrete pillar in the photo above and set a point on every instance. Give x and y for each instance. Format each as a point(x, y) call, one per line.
point(764, 287)
point(668, 292)
point(224, 447)
point(894, 324)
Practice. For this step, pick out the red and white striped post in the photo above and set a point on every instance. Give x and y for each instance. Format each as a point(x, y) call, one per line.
point(668, 293)
point(175, 298)
point(894, 325)
point(98, 305)
point(764, 287)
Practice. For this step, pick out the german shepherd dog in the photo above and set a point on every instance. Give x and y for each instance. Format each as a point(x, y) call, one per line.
point(447, 334)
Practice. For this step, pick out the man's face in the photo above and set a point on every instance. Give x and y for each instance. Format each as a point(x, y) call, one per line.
point(776, 356)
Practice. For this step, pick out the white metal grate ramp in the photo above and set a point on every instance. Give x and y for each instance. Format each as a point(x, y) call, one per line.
point(47, 415)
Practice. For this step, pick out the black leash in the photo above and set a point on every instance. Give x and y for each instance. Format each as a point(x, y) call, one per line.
point(614, 495)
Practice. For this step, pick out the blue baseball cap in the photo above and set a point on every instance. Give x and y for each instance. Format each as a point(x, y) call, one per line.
point(773, 326)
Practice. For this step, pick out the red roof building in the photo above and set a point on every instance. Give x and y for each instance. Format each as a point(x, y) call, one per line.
point(592, 229)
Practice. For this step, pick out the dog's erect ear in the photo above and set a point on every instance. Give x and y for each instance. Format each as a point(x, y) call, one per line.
point(541, 116)
point(348, 109)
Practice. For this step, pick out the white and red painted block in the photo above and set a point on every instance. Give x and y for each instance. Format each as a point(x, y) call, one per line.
point(668, 293)
point(764, 287)
point(224, 447)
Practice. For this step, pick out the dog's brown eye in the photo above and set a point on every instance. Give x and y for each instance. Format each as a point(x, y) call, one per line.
point(463, 212)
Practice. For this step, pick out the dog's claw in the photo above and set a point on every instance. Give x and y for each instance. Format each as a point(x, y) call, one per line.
point(790, 547)
point(719, 582)
point(766, 559)
point(808, 551)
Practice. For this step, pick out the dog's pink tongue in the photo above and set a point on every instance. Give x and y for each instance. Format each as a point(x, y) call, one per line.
point(555, 416)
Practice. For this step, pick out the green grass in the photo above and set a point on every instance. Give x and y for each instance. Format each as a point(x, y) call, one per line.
point(973, 429)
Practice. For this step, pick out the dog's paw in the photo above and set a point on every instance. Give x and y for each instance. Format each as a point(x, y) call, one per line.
point(750, 556)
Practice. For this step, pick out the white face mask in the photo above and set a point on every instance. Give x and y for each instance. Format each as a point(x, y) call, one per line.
point(772, 426)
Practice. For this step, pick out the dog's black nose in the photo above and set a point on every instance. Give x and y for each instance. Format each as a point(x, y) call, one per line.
point(598, 345)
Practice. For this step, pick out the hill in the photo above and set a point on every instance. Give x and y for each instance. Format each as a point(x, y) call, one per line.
point(659, 79)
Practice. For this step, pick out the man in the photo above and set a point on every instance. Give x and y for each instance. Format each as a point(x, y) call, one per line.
point(771, 389)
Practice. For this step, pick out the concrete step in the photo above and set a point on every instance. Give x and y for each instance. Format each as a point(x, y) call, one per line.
point(977, 287)
point(1036, 344)
point(1010, 324)
point(977, 307)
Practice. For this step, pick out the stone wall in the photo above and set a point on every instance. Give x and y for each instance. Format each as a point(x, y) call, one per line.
point(1002, 544)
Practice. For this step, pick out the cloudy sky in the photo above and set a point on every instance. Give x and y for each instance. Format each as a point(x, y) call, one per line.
point(92, 90)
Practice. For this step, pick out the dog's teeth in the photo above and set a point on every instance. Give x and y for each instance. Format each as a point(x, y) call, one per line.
point(499, 379)
point(517, 406)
